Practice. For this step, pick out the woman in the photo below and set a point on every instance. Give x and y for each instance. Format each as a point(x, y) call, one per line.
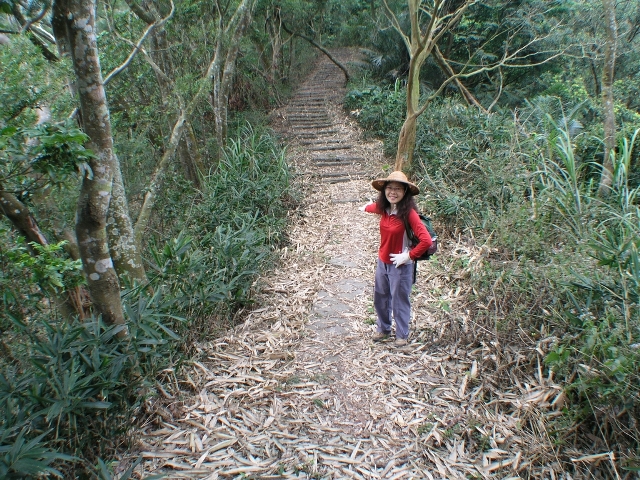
point(394, 273)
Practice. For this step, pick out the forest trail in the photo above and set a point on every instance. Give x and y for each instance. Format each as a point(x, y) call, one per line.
point(299, 390)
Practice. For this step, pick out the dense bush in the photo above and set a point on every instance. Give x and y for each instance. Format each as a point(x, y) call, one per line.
point(224, 236)
point(379, 110)
point(71, 385)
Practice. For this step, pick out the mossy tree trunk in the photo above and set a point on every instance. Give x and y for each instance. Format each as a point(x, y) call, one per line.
point(75, 26)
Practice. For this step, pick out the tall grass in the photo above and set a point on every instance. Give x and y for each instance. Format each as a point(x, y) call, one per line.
point(600, 352)
point(225, 236)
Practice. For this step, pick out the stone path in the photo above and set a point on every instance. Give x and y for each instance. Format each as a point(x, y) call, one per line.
point(299, 390)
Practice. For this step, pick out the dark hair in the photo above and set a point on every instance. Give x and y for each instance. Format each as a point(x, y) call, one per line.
point(404, 206)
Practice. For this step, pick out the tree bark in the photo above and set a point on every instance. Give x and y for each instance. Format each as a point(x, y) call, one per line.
point(21, 218)
point(76, 24)
point(608, 74)
point(224, 65)
point(274, 27)
point(123, 247)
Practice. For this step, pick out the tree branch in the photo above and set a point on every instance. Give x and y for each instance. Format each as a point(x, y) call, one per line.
point(446, 68)
point(394, 21)
point(137, 46)
point(322, 49)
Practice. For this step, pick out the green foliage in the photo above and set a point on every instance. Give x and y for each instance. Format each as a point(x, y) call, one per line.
point(379, 110)
point(75, 384)
point(20, 458)
point(46, 267)
point(29, 81)
point(31, 274)
point(44, 155)
point(224, 241)
point(59, 150)
point(598, 351)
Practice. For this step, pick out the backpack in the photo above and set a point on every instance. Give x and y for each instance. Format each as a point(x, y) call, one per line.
point(413, 240)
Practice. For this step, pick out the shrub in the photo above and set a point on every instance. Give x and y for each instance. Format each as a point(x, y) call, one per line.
point(226, 237)
point(77, 384)
point(379, 110)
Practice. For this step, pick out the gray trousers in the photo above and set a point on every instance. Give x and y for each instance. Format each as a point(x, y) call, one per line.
point(391, 297)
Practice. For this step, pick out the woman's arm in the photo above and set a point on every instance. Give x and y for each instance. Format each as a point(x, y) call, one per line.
point(421, 233)
point(371, 208)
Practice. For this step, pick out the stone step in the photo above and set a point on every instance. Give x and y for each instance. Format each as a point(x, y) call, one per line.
point(340, 158)
point(337, 180)
point(313, 127)
point(308, 116)
point(332, 164)
point(319, 142)
point(306, 110)
point(303, 121)
point(326, 133)
point(336, 147)
point(334, 174)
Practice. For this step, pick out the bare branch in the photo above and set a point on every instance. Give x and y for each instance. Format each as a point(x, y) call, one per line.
point(138, 45)
point(394, 21)
point(37, 18)
point(322, 49)
point(495, 100)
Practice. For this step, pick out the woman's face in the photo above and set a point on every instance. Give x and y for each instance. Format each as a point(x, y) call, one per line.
point(394, 191)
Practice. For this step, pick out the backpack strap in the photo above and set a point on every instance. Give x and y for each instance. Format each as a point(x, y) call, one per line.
point(410, 235)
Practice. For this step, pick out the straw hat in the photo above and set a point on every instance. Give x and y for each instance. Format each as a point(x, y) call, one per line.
point(396, 176)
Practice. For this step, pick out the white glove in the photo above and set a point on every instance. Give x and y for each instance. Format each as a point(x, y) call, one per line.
point(365, 206)
point(400, 258)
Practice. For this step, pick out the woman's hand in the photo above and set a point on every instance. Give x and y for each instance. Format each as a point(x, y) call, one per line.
point(365, 206)
point(400, 258)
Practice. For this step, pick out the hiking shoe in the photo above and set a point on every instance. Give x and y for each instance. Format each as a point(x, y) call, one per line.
point(380, 336)
point(400, 342)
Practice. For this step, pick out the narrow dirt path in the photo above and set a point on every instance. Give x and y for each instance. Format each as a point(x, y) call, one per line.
point(300, 390)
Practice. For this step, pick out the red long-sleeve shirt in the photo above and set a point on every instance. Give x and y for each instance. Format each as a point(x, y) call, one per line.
point(392, 234)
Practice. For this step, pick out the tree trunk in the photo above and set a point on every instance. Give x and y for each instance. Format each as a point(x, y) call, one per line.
point(157, 179)
point(406, 143)
point(274, 27)
point(407, 137)
point(420, 43)
point(123, 247)
point(187, 148)
point(223, 67)
point(77, 19)
point(608, 74)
